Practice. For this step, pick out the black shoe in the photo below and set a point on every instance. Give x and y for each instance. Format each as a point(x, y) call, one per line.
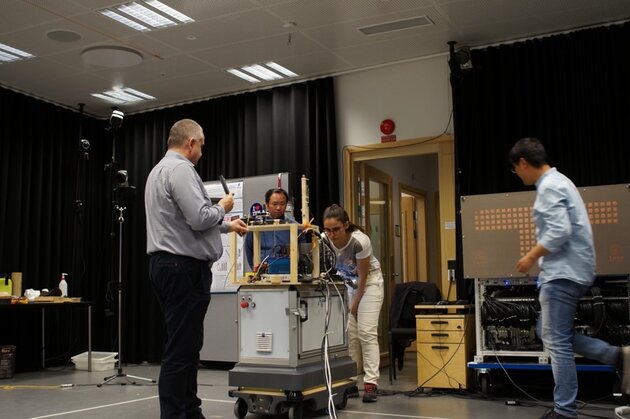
point(552, 414)
point(352, 392)
point(369, 395)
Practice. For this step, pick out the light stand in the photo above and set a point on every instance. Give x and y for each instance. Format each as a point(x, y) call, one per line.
point(77, 271)
point(120, 373)
point(122, 194)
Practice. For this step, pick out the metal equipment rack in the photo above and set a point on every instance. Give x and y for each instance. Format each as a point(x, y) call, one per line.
point(615, 290)
point(497, 230)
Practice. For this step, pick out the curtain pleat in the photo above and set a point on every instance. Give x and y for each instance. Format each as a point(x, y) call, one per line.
point(570, 90)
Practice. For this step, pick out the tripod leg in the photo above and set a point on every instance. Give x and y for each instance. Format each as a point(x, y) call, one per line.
point(113, 377)
point(141, 378)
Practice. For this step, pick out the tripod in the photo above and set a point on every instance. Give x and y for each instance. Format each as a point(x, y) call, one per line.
point(120, 374)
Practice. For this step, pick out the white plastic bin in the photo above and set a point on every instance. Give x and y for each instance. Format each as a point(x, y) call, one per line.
point(101, 361)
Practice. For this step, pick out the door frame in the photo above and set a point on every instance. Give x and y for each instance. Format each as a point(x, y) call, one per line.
point(372, 172)
point(444, 147)
point(423, 223)
point(367, 173)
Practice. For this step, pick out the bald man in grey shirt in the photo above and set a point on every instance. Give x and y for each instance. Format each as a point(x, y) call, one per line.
point(183, 241)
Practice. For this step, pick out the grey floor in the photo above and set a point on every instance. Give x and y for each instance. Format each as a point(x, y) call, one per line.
point(39, 395)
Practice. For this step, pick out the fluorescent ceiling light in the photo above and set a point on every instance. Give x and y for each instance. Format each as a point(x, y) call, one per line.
point(124, 95)
point(280, 69)
point(169, 11)
point(7, 58)
point(256, 73)
point(262, 72)
point(138, 93)
point(121, 19)
point(242, 75)
point(108, 98)
point(8, 54)
point(146, 15)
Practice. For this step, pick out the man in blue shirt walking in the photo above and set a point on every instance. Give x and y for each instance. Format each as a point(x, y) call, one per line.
point(564, 250)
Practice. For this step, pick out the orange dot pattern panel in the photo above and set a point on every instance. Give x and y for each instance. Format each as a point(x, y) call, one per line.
point(515, 218)
point(603, 212)
point(519, 218)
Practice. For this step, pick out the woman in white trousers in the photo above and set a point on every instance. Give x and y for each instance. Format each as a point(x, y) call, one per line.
point(358, 266)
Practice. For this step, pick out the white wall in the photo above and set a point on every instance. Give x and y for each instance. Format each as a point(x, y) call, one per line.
point(416, 95)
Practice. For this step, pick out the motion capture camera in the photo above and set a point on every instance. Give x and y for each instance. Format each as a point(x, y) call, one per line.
point(84, 147)
point(124, 193)
point(116, 120)
point(122, 179)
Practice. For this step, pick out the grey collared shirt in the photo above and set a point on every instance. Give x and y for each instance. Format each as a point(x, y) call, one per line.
point(180, 216)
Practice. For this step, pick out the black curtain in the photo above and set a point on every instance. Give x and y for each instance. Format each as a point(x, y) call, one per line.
point(45, 171)
point(51, 205)
point(572, 91)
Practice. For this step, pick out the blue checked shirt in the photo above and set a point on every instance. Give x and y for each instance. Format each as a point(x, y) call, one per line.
point(564, 229)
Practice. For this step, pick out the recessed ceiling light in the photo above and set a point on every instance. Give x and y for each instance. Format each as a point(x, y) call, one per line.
point(146, 15)
point(280, 69)
point(8, 54)
point(242, 75)
point(256, 73)
point(262, 72)
point(111, 56)
point(123, 95)
point(169, 11)
point(125, 21)
point(63, 35)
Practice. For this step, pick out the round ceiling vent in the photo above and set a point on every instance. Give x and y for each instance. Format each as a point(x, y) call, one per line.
point(64, 35)
point(111, 57)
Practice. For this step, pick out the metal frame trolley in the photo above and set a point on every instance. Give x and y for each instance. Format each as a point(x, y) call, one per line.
point(284, 366)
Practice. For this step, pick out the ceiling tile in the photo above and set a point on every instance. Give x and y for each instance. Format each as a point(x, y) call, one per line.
point(258, 50)
point(394, 49)
point(347, 34)
point(188, 61)
point(229, 29)
point(308, 13)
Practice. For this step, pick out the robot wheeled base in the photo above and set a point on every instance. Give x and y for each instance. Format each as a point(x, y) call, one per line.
point(276, 402)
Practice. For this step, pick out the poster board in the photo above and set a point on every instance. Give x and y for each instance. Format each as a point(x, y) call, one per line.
point(497, 230)
point(247, 191)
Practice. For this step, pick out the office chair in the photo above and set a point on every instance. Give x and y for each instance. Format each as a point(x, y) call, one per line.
point(402, 319)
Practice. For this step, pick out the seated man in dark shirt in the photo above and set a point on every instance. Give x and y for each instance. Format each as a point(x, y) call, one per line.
point(275, 244)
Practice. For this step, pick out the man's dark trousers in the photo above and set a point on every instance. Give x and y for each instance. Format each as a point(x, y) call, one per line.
point(182, 287)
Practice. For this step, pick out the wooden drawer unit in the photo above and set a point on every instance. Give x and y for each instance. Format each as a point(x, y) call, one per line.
point(438, 322)
point(444, 343)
